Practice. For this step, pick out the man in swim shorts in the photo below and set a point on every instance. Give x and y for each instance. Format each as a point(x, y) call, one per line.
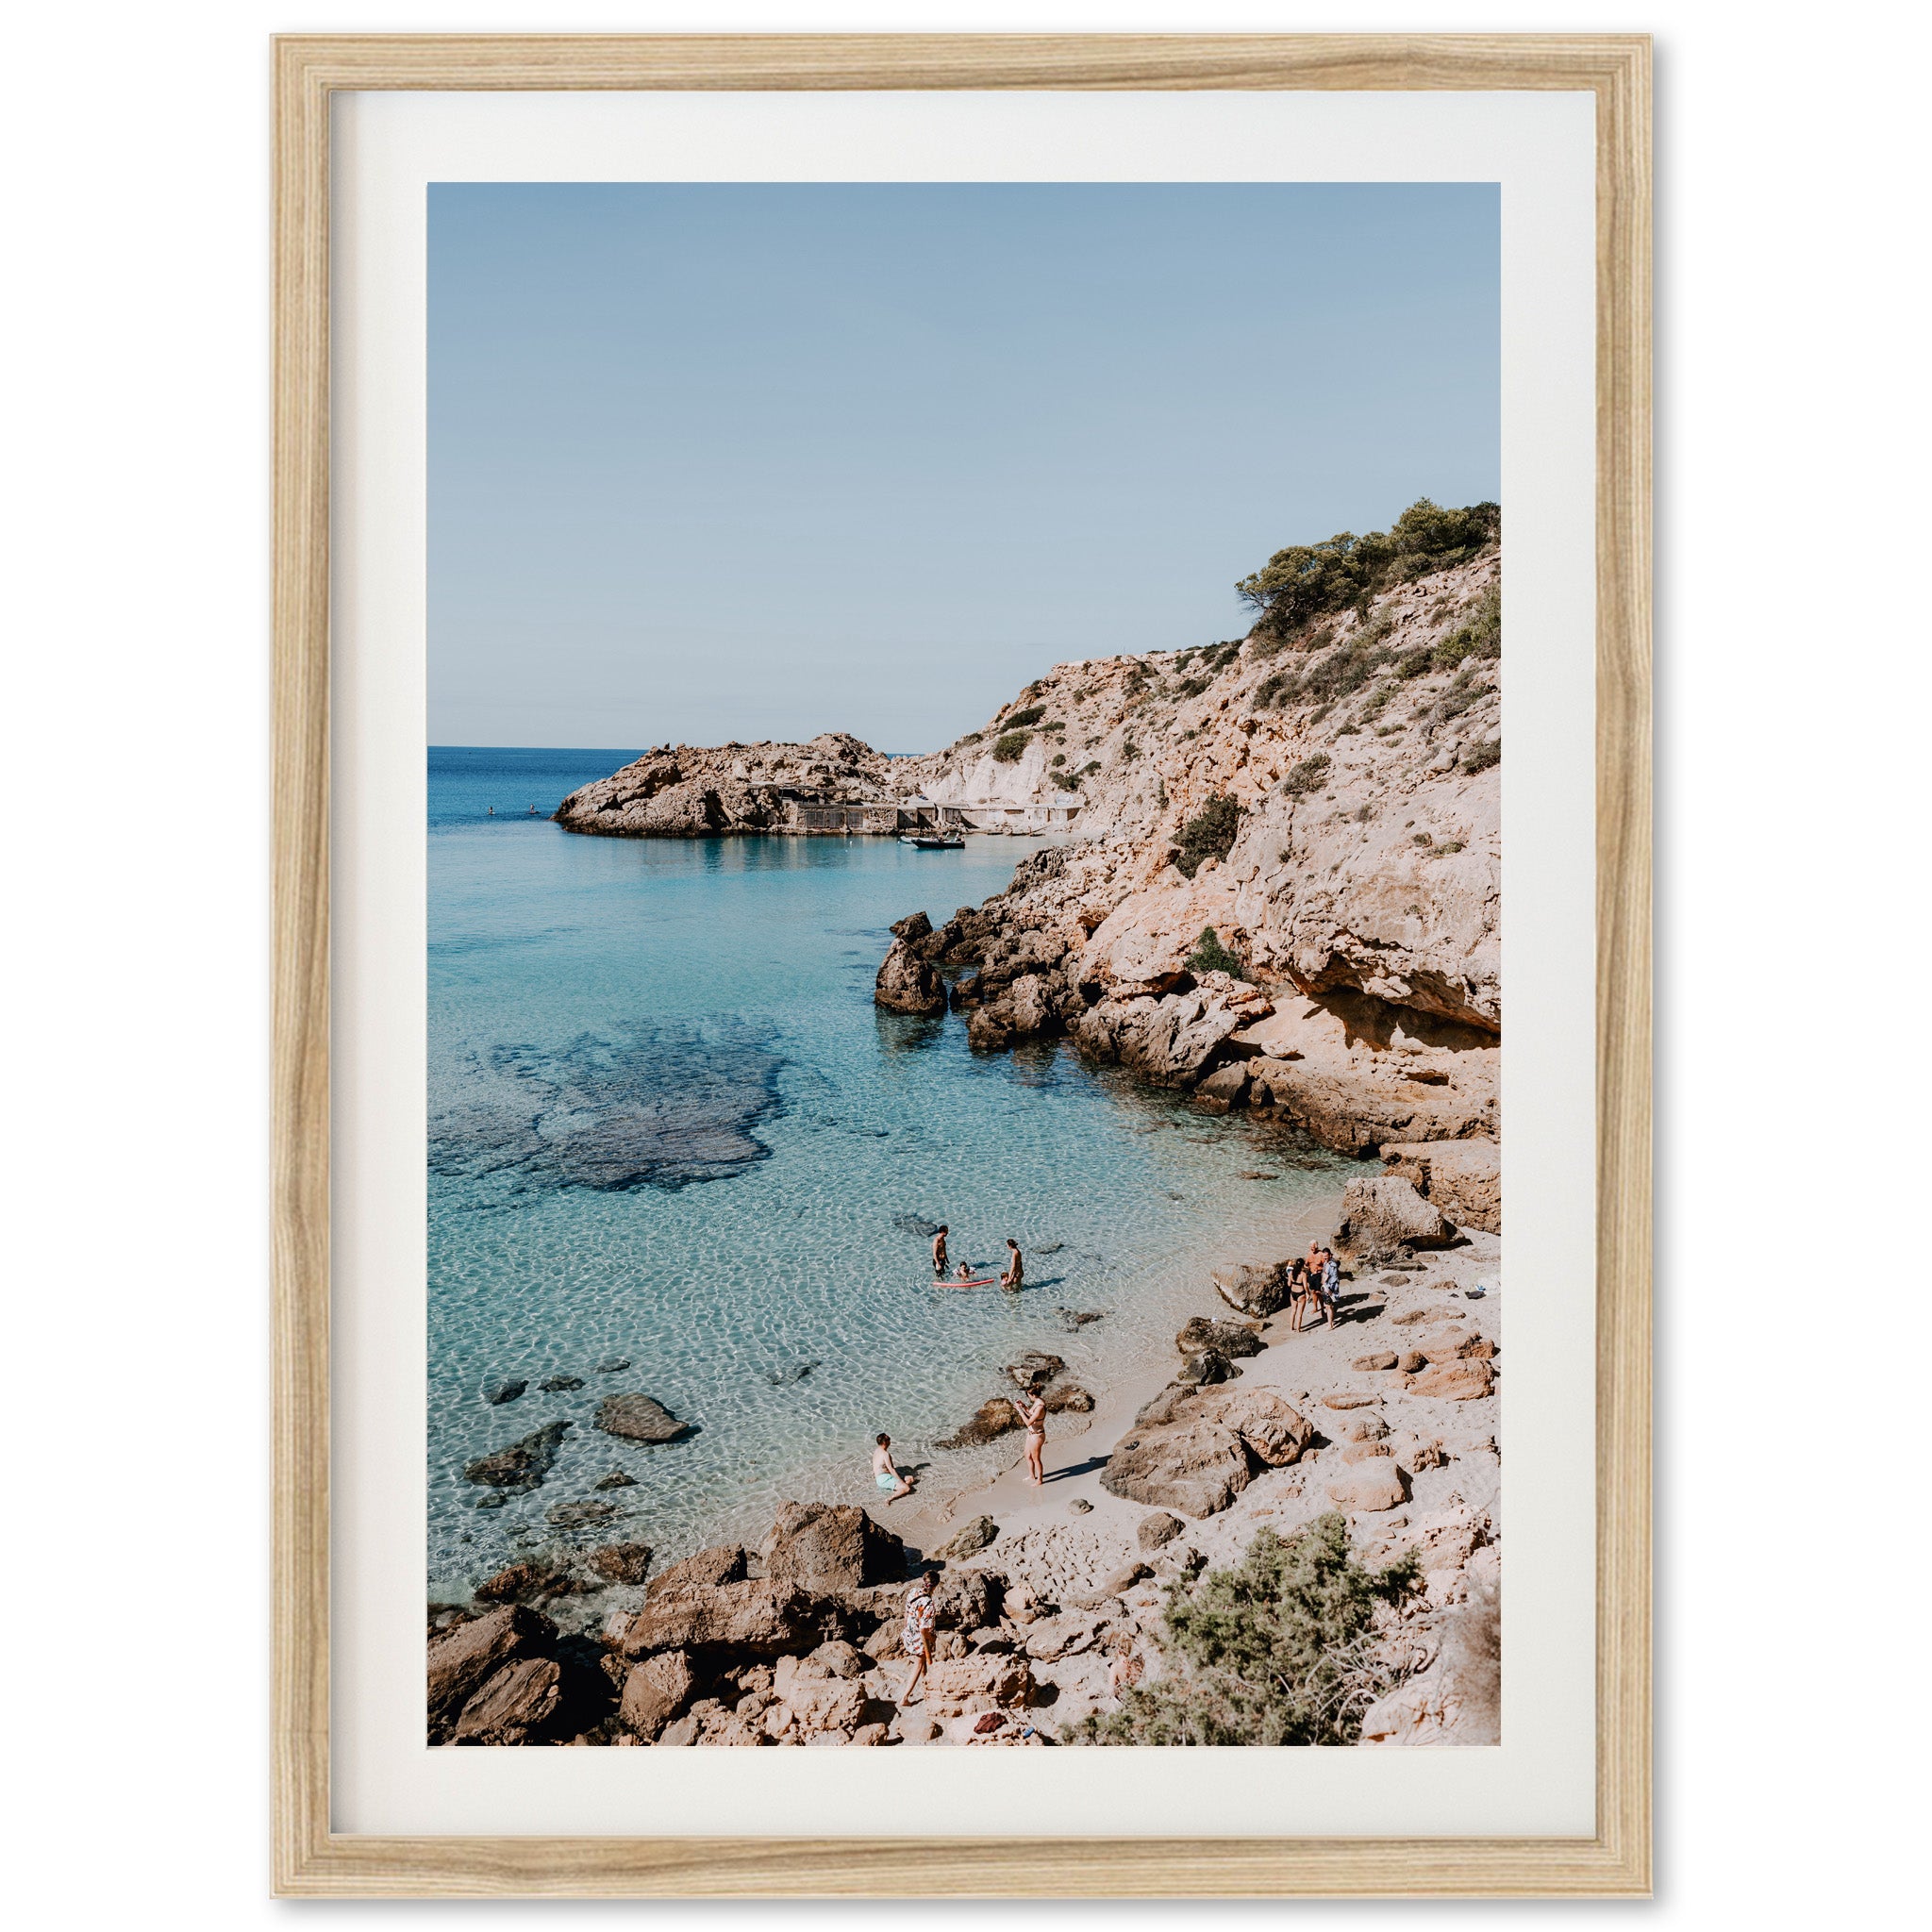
point(939, 1253)
point(885, 1472)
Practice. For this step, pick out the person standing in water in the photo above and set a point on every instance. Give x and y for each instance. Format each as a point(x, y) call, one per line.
point(1031, 1409)
point(939, 1252)
point(885, 1472)
point(1016, 1270)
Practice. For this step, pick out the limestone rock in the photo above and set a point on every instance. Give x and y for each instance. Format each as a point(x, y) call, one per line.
point(966, 1600)
point(514, 1705)
point(767, 1616)
point(639, 1419)
point(1275, 1432)
point(1257, 1290)
point(993, 1419)
point(987, 1682)
point(1373, 1485)
point(1196, 1468)
point(1234, 1339)
point(1454, 1381)
point(832, 1546)
point(500, 1393)
point(907, 983)
point(1157, 1529)
point(972, 1537)
point(575, 1515)
point(1384, 1212)
point(1463, 1178)
point(727, 1563)
point(1383, 1359)
point(656, 1691)
point(464, 1658)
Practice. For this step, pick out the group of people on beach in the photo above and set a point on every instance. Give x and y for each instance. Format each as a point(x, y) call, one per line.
point(1311, 1285)
point(1012, 1278)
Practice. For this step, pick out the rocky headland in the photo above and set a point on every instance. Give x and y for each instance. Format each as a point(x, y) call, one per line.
point(1279, 891)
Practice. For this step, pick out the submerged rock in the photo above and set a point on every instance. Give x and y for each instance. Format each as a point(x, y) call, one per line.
point(521, 1464)
point(558, 1385)
point(500, 1393)
point(621, 1562)
point(611, 1364)
point(639, 1418)
point(572, 1515)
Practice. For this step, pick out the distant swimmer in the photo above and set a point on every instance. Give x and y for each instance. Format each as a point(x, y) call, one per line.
point(939, 1251)
point(1015, 1277)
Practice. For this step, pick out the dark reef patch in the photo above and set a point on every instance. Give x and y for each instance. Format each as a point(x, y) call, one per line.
point(645, 1107)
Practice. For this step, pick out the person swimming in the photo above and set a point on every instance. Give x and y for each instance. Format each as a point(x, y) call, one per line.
point(965, 1278)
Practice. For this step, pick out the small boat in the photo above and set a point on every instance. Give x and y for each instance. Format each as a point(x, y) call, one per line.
point(934, 842)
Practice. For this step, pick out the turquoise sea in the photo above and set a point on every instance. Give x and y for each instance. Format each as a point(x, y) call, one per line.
point(668, 1126)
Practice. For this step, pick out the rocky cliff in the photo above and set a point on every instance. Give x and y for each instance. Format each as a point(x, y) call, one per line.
point(1284, 885)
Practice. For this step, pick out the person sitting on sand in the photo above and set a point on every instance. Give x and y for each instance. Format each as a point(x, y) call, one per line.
point(939, 1252)
point(885, 1472)
point(916, 1633)
point(1015, 1275)
point(1031, 1409)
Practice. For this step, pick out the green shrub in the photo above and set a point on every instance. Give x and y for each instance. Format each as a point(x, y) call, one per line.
point(1278, 1651)
point(1481, 637)
point(1309, 580)
point(1209, 834)
point(1310, 775)
point(1010, 744)
point(1060, 757)
point(1462, 694)
point(1191, 688)
point(1130, 750)
point(1480, 757)
point(1210, 956)
point(1031, 715)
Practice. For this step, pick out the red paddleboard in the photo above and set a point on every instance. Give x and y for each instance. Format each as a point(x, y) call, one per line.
point(948, 1281)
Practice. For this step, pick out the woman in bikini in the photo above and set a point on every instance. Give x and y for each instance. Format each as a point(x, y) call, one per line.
point(1016, 1270)
point(1031, 1410)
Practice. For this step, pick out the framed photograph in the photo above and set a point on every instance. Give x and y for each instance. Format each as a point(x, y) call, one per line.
point(894, 882)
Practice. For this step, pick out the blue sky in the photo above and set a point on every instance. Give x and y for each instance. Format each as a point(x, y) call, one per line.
point(715, 462)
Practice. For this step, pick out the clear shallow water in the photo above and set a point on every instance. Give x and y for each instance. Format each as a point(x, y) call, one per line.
point(668, 1124)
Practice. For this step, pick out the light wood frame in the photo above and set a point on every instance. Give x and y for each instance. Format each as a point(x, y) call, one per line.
point(312, 1860)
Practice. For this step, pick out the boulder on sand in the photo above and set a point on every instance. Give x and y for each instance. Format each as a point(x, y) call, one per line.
point(831, 1547)
point(985, 1682)
point(522, 1464)
point(1382, 1213)
point(1195, 1467)
point(1231, 1339)
point(1257, 1290)
point(1276, 1432)
point(1454, 1381)
point(1372, 1483)
point(994, 1418)
point(907, 983)
point(1465, 1178)
point(639, 1419)
point(1157, 1529)
point(973, 1537)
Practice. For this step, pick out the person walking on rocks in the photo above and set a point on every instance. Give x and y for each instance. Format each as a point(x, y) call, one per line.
point(939, 1253)
point(1015, 1276)
point(885, 1472)
point(916, 1635)
point(1031, 1409)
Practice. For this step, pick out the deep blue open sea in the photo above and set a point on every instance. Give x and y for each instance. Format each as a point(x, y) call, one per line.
point(668, 1125)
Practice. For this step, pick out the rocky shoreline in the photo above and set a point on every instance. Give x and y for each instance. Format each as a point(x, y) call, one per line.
point(1282, 895)
point(1389, 1420)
